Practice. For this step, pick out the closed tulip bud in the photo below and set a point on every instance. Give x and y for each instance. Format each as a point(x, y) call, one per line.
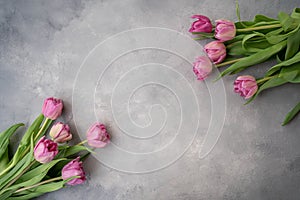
point(60, 132)
point(45, 150)
point(52, 108)
point(246, 86)
point(216, 51)
point(73, 168)
point(97, 136)
point(202, 67)
point(225, 30)
point(202, 24)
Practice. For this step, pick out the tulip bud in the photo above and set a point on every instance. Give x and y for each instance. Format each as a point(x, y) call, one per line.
point(202, 24)
point(246, 86)
point(202, 67)
point(73, 168)
point(52, 108)
point(216, 51)
point(97, 136)
point(60, 132)
point(45, 150)
point(225, 30)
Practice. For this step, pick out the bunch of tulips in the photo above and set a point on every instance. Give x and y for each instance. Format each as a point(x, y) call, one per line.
point(42, 165)
point(244, 44)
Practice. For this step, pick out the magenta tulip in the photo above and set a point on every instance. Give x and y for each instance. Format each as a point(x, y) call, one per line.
point(246, 86)
point(97, 136)
point(52, 108)
point(45, 150)
point(60, 132)
point(202, 67)
point(202, 24)
point(225, 30)
point(216, 51)
point(73, 168)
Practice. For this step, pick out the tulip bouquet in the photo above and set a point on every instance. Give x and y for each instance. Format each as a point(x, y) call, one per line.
point(42, 165)
point(244, 44)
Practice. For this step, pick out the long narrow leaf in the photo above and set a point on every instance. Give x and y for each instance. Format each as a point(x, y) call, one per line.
point(255, 58)
point(291, 114)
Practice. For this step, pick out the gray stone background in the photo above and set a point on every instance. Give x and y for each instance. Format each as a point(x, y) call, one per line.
point(43, 43)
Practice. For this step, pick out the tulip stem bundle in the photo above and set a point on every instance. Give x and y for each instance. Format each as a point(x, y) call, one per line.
point(42, 165)
point(244, 44)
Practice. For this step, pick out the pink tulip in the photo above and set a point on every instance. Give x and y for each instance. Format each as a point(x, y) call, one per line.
point(73, 168)
point(52, 108)
point(216, 51)
point(246, 86)
point(60, 132)
point(97, 136)
point(225, 30)
point(45, 150)
point(202, 67)
point(202, 24)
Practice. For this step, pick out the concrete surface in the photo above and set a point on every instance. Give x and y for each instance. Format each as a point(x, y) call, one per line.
point(44, 43)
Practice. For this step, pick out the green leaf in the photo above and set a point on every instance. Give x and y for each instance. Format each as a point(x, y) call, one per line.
point(289, 62)
point(37, 173)
point(255, 42)
point(5, 135)
point(42, 189)
point(16, 170)
point(290, 73)
point(34, 128)
point(296, 13)
point(291, 115)
point(256, 58)
point(263, 18)
point(293, 43)
point(285, 20)
point(236, 49)
point(32, 177)
point(273, 82)
point(24, 144)
point(276, 38)
point(71, 150)
point(235, 39)
point(4, 160)
point(7, 194)
point(4, 142)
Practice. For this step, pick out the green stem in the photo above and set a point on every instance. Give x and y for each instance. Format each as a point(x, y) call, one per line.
point(81, 143)
point(228, 62)
point(17, 177)
point(42, 129)
point(38, 184)
point(264, 79)
point(258, 28)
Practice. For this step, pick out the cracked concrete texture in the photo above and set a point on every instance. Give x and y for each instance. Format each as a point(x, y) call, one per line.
point(42, 45)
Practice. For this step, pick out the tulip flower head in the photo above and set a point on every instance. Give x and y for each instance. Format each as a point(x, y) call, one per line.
point(60, 132)
point(52, 108)
point(202, 24)
point(74, 168)
point(246, 86)
point(216, 51)
point(202, 67)
point(97, 136)
point(45, 150)
point(225, 30)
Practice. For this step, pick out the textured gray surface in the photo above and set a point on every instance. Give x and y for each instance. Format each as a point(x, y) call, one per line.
point(42, 45)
